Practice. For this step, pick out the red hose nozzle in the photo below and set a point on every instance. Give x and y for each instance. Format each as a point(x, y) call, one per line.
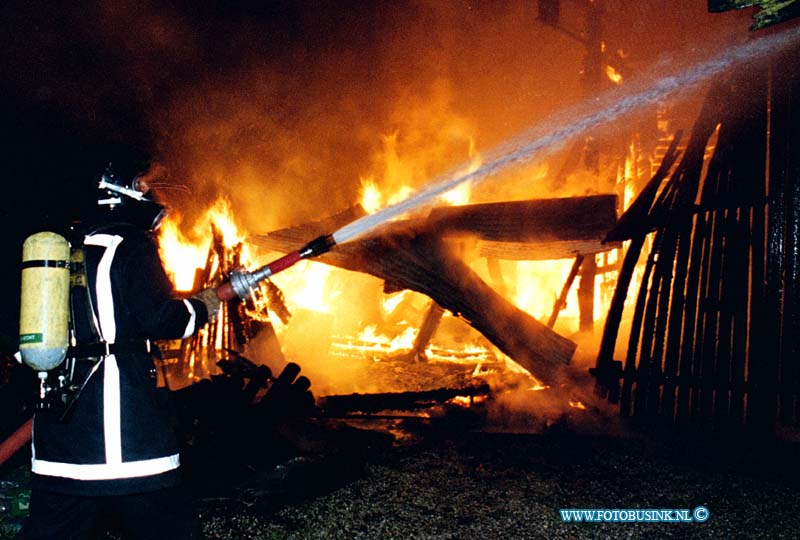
point(242, 282)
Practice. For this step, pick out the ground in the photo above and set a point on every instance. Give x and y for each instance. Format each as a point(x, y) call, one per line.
point(449, 476)
point(486, 485)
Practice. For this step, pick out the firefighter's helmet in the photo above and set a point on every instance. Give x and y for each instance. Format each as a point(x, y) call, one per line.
point(124, 193)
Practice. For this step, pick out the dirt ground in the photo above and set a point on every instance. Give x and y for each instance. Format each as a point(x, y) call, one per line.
point(450, 484)
point(451, 476)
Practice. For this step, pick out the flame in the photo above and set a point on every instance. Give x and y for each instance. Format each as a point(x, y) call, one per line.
point(183, 254)
point(613, 75)
point(402, 342)
point(180, 257)
point(539, 284)
point(221, 215)
point(462, 194)
point(377, 345)
point(321, 291)
point(401, 169)
point(371, 197)
point(458, 195)
point(311, 291)
point(392, 301)
point(467, 401)
point(396, 172)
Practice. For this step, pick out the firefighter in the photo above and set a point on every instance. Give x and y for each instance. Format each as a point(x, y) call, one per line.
point(112, 456)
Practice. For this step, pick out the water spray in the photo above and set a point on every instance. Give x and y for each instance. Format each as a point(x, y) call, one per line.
point(544, 139)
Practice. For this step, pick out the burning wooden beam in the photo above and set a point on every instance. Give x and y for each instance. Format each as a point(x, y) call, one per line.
point(419, 254)
point(425, 263)
point(531, 230)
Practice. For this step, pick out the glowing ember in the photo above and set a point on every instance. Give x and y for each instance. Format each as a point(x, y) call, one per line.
point(469, 354)
point(467, 401)
point(379, 342)
point(613, 75)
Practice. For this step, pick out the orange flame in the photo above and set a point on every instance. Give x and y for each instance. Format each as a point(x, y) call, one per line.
point(180, 256)
point(183, 254)
point(613, 75)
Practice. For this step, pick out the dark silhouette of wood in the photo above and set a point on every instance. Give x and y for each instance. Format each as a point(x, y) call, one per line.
point(561, 301)
point(433, 316)
point(635, 224)
point(715, 335)
point(395, 401)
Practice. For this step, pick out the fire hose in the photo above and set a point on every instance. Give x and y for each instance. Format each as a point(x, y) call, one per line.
point(16, 440)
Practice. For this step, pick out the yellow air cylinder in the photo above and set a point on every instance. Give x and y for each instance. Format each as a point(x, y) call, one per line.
point(44, 302)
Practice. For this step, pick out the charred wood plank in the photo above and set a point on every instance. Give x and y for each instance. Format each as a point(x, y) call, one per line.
point(638, 373)
point(425, 264)
point(338, 405)
point(779, 371)
point(586, 294)
point(747, 191)
point(530, 221)
point(536, 229)
point(634, 224)
point(682, 223)
point(426, 331)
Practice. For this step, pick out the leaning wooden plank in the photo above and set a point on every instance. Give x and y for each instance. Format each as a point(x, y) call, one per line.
point(634, 224)
point(425, 263)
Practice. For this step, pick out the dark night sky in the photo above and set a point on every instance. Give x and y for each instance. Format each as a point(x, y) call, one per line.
point(78, 80)
point(293, 93)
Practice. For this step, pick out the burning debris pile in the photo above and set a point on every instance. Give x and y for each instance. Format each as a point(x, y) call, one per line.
point(489, 344)
point(416, 255)
point(456, 271)
point(236, 323)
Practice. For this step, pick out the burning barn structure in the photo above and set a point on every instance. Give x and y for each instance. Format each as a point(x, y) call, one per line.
point(689, 263)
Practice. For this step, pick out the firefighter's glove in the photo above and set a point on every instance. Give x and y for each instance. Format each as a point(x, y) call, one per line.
point(210, 300)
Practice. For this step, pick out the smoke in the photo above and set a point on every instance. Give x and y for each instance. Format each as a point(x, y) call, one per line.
point(284, 106)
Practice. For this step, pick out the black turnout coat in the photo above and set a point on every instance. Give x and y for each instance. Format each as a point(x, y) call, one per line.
point(119, 437)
